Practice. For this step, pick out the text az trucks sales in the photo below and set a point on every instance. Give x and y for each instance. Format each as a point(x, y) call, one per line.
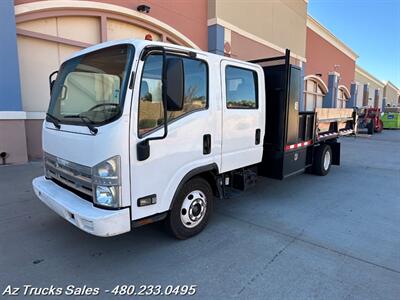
point(140, 131)
point(69, 290)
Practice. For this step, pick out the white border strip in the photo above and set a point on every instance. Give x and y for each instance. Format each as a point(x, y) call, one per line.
point(251, 36)
point(22, 115)
point(35, 115)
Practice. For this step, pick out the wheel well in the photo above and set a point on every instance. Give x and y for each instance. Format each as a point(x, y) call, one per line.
point(208, 173)
point(211, 178)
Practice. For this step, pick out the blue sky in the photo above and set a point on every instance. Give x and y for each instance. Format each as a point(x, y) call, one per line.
point(371, 28)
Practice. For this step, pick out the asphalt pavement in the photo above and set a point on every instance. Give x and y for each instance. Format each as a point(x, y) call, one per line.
point(308, 237)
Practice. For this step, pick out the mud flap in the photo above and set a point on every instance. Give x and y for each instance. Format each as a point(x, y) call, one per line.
point(335, 146)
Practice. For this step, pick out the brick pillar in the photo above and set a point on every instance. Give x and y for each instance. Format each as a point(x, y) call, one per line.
point(365, 95)
point(353, 96)
point(10, 96)
point(376, 98)
point(383, 103)
point(12, 118)
point(330, 98)
point(216, 37)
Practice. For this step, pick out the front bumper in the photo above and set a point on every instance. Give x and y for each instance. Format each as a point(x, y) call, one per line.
point(81, 213)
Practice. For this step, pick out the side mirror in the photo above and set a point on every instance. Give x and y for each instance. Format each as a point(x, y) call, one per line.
point(175, 89)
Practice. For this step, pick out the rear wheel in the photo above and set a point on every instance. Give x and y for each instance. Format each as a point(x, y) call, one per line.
point(191, 209)
point(371, 126)
point(322, 160)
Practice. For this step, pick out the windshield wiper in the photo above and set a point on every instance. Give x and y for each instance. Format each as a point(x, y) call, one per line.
point(89, 124)
point(56, 121)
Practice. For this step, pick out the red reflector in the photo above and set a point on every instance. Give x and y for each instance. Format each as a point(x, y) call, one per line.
point(298, 145)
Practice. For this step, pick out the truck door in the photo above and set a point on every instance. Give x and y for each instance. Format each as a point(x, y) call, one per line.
point(194, 137)
point(242, 114)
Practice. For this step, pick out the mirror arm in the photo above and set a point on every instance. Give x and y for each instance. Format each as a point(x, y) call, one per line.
point(143, 147)
point(51, 81)
point(164, 98)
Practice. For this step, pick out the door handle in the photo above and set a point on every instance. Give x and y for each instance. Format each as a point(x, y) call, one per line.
point(206, 144)
point(258, 136)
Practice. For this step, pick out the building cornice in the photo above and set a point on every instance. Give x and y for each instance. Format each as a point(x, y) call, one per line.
point(368, 75)
point(322, 31)
point(251, 36)
point(389, 83)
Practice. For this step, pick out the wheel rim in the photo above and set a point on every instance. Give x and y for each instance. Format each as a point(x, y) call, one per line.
point(327, 160)
point(193, 209)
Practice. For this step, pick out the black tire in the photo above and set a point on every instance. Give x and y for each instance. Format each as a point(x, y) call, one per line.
point(174, 222)
point(319, 167)
point(371, 127)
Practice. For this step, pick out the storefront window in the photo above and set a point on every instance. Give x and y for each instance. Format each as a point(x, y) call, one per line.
point(313, 95)
point(341, 98)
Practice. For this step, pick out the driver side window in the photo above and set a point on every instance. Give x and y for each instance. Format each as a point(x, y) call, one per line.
point(151, 112)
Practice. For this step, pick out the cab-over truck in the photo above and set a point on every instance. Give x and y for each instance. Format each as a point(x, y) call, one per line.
point(140, 131)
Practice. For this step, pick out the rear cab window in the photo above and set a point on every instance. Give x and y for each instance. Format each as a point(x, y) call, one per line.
point(241, 88)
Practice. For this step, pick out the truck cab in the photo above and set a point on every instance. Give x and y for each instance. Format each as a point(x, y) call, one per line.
point(138, 131)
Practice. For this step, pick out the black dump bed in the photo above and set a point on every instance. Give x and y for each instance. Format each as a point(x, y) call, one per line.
point(289, 133)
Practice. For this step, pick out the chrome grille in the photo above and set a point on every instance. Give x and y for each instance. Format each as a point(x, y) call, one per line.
point(75, 176)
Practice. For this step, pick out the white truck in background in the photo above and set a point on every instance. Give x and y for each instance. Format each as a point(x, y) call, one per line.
point(139, 131)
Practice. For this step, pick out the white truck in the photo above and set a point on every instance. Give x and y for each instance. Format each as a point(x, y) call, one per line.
point(139, 131)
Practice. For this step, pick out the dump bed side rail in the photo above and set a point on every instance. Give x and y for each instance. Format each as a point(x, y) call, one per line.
point(334, 122)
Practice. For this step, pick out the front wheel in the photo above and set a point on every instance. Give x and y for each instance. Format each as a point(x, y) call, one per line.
point(322, 160)
point(191, 209)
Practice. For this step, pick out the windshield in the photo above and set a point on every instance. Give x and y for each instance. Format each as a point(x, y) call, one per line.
point(91, 87)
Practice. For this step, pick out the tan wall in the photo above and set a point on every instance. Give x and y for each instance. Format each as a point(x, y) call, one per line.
point(362, 79)
point(13, 140)
point(35, 70)
point(118, 30)
point(247, 49)
point(34, 138)
point(280, 22)
point(391, 94)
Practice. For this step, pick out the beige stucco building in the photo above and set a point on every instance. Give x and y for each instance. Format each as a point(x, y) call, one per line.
point(391, 94)
point(40, 35)
point(272, 27)
point(369, 89)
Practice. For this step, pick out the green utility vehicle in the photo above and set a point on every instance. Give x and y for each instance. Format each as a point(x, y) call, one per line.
point(391, 118)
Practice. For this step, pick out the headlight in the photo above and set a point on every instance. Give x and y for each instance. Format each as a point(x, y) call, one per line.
point(107, 172)
point(107, 196)
point(106, 183)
